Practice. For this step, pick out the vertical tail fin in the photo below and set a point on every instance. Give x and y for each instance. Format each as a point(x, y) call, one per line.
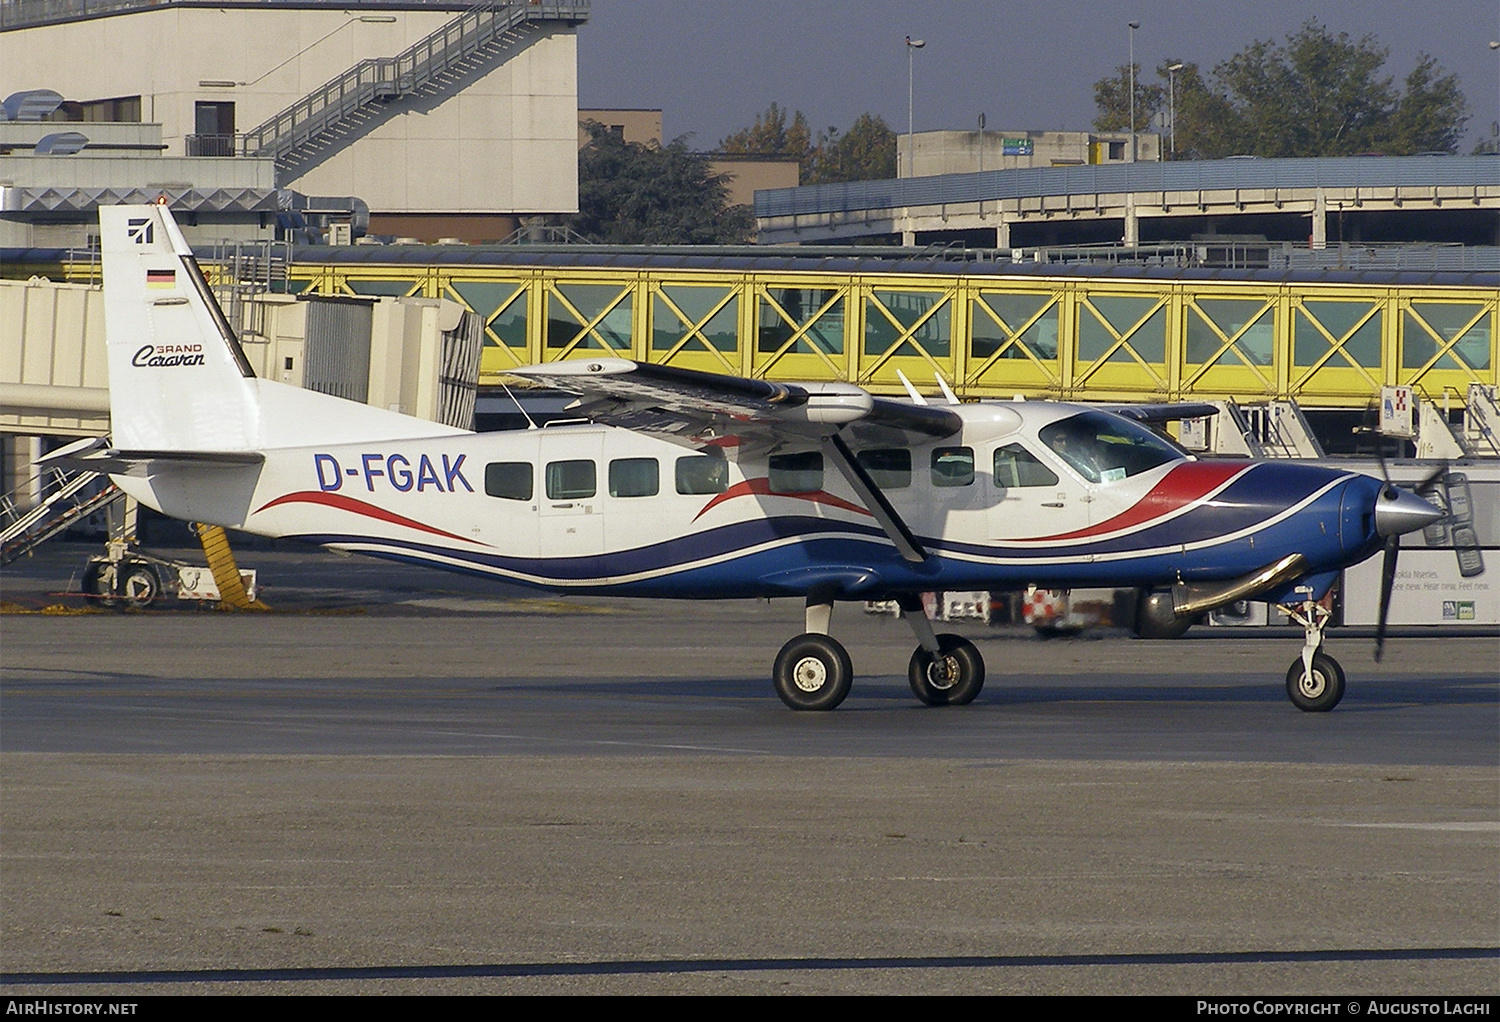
point(178, 379)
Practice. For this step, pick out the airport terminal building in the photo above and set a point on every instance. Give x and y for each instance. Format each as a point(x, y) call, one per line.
point(444, 120)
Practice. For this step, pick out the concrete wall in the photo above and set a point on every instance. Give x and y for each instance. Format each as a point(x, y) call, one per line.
point(965, 152)
point(505, 144)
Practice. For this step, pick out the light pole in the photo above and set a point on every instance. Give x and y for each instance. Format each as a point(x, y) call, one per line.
point(1495, 46)
point(1133, 26)
point(911, 45)
point(1172, 70)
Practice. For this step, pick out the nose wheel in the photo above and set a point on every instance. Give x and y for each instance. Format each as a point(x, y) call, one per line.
point(1317, 690)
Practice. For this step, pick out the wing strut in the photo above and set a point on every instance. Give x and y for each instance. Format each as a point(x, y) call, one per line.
point(838, 452)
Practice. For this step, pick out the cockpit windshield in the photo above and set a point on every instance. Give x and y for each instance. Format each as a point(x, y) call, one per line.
point(1105, 448)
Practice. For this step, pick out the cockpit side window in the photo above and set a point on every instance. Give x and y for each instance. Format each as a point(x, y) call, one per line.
point(1016, 466)
point(1106, 448)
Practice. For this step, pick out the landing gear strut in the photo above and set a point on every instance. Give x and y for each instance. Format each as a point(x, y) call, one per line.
point(1315, 681)
point(945, 670)
point(813, 670)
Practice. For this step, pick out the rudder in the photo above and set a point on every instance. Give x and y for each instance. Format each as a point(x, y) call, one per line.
point(178, 379)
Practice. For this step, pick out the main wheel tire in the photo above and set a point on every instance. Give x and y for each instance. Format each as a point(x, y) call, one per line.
point(141, 585)
point(953, 678)
point(99, 583)
point(812, 672)
point(1320, 691)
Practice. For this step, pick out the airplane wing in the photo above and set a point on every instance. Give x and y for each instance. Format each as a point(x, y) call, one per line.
point(1152, 414)
point(695, 408)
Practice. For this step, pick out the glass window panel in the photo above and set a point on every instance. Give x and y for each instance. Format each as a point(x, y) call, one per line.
point(612, 332)
point(1256, 344)
point(509, 327)
point(702, 473)
point(1122, 312)
point(512, 480)
point(796, 473)
point(1016, 466)
point(1448, 321)
point(907, 307)
point(952, 466)
point(987, 336)
point(801, 305)
point(667, 327)
point(1338, 318)
point(510, 324)
point(571, 480)
point(888, 467)
point(634, 477)
point(1105, 448)
point(383, 288)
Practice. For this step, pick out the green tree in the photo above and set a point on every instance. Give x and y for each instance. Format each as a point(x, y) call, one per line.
point(771, 136)
point(1112, 98)
point(634, 194)
point(867, 152)
point(1316, 94)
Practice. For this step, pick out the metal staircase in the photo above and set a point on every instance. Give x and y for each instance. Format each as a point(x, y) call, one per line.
point(73, 497)
point(344, 107)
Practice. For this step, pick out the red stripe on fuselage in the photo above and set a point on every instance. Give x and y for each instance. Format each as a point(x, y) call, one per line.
point(359, 507)
point(1180, 487)
point(762, 487)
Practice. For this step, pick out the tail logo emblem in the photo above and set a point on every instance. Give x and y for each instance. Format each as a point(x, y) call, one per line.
point(141, 230)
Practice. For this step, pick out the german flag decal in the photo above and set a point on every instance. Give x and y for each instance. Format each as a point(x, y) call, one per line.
point(161, 278)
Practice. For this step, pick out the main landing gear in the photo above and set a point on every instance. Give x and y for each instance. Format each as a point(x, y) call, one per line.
point(1315, 681)
point(813, 670)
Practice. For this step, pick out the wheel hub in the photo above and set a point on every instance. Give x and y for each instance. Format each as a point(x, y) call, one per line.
point(943, 673)
point(1312, 684)
point(810, 674)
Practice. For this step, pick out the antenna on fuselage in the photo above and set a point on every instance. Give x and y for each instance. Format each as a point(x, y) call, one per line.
point(530, 424)
point(947, 390)
point(916, 397)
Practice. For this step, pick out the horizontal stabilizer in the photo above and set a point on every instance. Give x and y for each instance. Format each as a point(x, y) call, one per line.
point(94, 454)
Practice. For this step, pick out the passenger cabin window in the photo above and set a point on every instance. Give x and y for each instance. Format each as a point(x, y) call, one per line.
point(634, 477)
point(1104, 448)
point(511, 480)
point(571, 480)
point(702, 474)
point(889, 468)
point(952, 466)
point(796, 473)
point(1016, 466)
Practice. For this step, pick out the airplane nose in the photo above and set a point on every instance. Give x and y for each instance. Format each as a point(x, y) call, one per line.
point(1398, 512)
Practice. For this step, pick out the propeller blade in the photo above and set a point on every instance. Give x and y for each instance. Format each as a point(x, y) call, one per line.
point(1430, 480)
point(1387, 583)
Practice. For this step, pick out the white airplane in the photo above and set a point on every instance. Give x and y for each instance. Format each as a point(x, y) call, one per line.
point(696, 486)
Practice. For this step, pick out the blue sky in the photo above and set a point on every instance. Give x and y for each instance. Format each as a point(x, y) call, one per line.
point(712, 66)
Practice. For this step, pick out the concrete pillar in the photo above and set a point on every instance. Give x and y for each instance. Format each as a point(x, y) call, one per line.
point(1132, 223)
point(1002, 234)
point(1320, 220)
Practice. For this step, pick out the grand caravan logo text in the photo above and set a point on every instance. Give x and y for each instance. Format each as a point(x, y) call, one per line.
point(159, 356)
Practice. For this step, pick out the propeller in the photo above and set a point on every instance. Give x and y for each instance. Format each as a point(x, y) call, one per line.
point(1395, 528)
point(1429, 484)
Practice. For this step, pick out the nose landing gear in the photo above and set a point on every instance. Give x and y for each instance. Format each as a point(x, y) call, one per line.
point(1315, 681)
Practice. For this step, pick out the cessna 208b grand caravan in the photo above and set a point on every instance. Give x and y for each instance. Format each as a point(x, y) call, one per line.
point(696, 486)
